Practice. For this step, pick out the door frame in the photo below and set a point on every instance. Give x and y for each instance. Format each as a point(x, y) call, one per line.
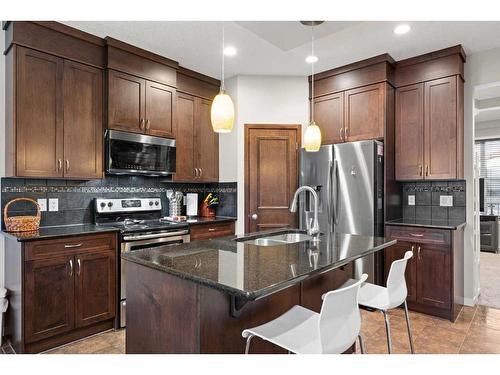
point(248, 127)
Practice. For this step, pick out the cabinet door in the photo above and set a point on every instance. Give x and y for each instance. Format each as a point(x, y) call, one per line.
point(434, 276)
point(126, 102)
point(410, 132)
point(206, 143)
point(159, 109)
point(329, 115)
point(184, 157)
point(364, 111)
point(82, 121)
point(39, 111)
point(95, 287)
point(397, 252)
point(49, 297)
point(440, 128)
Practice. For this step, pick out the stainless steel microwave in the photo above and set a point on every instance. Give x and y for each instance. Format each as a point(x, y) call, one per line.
point(139, 154)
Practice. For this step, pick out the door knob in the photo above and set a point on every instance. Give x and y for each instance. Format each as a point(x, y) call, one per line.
point(254, 217)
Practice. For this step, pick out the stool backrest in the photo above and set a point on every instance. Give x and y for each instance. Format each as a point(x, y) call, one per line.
point(340, 321)
point(396, 282)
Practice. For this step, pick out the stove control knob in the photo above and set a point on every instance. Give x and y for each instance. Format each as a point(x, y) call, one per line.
point(110, 204)
point(157, 203)
point(150, 203)
point(103, 204)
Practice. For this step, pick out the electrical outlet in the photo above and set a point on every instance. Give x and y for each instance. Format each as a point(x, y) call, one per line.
point(53, 204)
point(446, 200)
point(42, 203)
point(411, 200)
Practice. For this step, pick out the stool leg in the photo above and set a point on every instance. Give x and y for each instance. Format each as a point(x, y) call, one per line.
point(247, 347)
point(361, 344)
point(409, 328)
point(388, 331)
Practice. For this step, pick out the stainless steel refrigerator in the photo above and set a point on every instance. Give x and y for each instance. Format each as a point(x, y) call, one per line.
point(349, 180)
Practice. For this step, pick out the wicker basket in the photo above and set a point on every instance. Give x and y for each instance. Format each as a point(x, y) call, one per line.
point(21, 223)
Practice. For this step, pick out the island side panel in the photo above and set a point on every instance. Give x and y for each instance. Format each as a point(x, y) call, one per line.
point(221, 333)
point(162, 312)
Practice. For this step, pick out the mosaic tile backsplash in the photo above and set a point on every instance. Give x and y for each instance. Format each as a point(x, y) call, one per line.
point(76, 197)
point(427, 197)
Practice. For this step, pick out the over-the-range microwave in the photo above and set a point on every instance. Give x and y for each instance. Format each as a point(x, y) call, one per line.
point(139, 154)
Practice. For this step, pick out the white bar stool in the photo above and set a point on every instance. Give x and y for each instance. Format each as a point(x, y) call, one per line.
point(303, 331)
point(384, 299)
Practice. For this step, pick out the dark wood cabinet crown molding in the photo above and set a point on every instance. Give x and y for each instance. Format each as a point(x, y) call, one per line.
point(194, 83)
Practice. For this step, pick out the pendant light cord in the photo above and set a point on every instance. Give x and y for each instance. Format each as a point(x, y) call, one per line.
point(312, 75)
point(222, 87)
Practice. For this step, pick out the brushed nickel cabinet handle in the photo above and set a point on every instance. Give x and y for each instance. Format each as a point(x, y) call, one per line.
point(426, 170)
point(420, 169)
point(148, 124)
point(59, 164)
point(70, 246)
point(71, 267)
point(418, 251)
point(211, 229)
point(67, 165)
point(340, 134)
point(79, 264)
point(201, 172)
point(416, 235)
point(141, 124)
point(196, 174)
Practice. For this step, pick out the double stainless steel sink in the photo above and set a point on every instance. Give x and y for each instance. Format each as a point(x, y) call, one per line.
point(278, 239)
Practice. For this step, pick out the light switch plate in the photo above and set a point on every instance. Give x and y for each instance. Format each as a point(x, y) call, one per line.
point(446, 200)
point(42, 202)
point(411, 200)
point(53, 204)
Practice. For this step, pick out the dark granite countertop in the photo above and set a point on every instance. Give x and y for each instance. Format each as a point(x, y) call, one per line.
point(59, 231)
point(438, 224)
point(249, 271)
point(206, 220)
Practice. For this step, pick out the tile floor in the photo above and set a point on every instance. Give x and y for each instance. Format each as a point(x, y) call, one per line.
point(476, 331)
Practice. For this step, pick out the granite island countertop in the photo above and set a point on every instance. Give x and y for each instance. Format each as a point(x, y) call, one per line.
point(59, 231)
point(251, 272)
point(426, 223)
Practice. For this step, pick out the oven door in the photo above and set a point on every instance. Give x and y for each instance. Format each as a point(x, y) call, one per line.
point(130, 153)
point(137, 242)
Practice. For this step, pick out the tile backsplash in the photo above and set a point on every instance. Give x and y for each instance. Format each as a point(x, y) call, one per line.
point(76, 197)
point(427, 200)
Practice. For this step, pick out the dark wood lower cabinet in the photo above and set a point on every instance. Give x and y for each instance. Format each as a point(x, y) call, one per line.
point(60, 289)
point(434, 276)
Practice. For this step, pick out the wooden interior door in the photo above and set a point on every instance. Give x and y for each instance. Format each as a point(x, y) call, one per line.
point(440, 128)
point(271, 175)
point(397, 252)
point(94, 287)
point(39, 111)
point(126, 102)
point(83, 130)
point(364, 112)
point(49, 297)
point(433, 276)
point(206, 143)
point(410, 132)
point(159, 109)
point(184, 158)
point(329, 115)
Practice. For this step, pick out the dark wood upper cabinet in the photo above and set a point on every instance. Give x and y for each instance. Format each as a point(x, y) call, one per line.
point(126, 102)
point(160, 101)
point(410, 132)
point(185, 138)
point(94, 287)
point(440, 128)
point(39, 111)
point(83, 131)
point(434, 278)
point(49, 297)
point(206, 143)
point(329, 115)
point(365, 113)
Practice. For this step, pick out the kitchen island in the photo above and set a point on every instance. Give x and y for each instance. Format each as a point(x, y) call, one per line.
point(198, 297)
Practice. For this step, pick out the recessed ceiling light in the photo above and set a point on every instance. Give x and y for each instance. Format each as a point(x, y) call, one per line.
point(230, 51)
point(311, 59)
point(402, 29)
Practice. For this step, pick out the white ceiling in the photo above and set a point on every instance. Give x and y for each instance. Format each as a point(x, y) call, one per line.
point(279, 48)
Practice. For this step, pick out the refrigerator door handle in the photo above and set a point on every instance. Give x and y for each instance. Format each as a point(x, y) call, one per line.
point(335, 196)
point(329, 194)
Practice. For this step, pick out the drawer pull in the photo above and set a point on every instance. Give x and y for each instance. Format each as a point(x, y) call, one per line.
point(416, 235)
point(69, 246)
point(211, 229)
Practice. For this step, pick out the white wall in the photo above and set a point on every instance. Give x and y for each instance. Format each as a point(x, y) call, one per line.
point(259, 100)
point(481, 68)
point(2, 141)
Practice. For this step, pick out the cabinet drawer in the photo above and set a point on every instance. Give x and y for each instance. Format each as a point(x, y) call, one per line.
point(44, 249)
point(208, 231)
point(420, 235)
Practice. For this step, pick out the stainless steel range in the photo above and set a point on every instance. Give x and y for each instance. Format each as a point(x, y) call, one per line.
point(141, 226)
